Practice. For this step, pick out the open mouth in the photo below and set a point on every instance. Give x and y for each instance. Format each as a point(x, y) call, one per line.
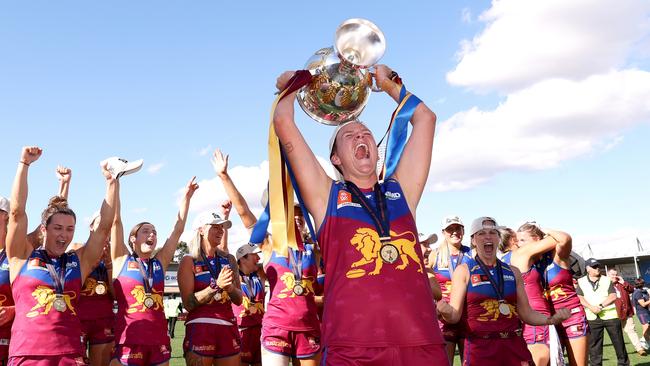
point(488, 246)
point(361, 151)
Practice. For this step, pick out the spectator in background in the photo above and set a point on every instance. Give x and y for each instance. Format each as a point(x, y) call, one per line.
point(597, 295)
point(173, 307)
point(641, 301)
point(624, 308)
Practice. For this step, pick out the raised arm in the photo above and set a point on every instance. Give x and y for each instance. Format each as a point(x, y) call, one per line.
point(119, 251)
point(226, 206)
point(167, 252)
point(314, 183)
point(90, 253)
point(63, 174)
point(18, 249)
point(413, 168)
point(563, 245)
point(220, 165)
point(521, 258)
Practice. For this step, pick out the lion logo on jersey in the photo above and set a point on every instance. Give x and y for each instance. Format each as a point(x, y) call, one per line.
point(290, 281)
point(45, 297)
point(251, 308)
point(492, 313)
point(367, 242)
point(89, 287)
point(555, 293)
point(139, 295)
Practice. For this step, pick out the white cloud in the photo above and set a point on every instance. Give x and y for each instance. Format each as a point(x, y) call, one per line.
point(526, 41)
point(205, 150)
point(155, 168)
point(466, 15)
point(539, 127)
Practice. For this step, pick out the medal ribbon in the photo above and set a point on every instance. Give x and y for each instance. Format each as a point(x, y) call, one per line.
point(102, 273)
point(3, 256)
point(250, 289)
point(58, 278)
point(295, 263)
point(499, 289)
point(213, 273)
point(379, 215)
point(147, 276)
point(459, 261)
point(397, 132)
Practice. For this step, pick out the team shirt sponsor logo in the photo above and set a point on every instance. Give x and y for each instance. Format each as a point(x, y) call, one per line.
point(393, 195)
point(133, 266)
point(345, 199)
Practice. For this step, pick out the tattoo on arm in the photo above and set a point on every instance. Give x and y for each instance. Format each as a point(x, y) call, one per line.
point(288, 147)
point(193, 303)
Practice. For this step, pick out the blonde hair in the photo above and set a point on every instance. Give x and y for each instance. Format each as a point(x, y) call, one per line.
point(195, 245)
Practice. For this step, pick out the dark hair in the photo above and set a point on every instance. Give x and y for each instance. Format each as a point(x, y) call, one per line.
point(134, 231)
point(531, 229)
point(506, 234)
point(56, 205)
point(639, 283)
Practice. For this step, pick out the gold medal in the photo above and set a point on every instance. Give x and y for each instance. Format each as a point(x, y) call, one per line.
point(298, 290)
point(389, 253)
point(100, 288)
point(504, 309)
point(59, 303)
point(148, 301)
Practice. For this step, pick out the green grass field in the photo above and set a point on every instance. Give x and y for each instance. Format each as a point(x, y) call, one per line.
point(609, 356)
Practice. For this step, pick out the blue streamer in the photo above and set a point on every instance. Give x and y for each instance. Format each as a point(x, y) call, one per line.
point(398, 133)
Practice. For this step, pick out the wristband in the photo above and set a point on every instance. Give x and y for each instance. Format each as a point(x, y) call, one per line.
point(24, 163)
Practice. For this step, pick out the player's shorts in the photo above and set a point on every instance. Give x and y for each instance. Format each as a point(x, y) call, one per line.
point(212, 340)
point(142, 355)
point(298, 344)
point(385, 356)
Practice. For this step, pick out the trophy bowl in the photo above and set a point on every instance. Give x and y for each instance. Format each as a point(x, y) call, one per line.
point(342, 82)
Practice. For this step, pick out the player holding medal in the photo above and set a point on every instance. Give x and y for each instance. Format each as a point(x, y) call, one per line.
point(141, 326)
point(46, 282)
point(496, 303)
point(209, 287)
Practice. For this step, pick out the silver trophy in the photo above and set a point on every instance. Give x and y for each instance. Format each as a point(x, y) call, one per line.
point(342, 80)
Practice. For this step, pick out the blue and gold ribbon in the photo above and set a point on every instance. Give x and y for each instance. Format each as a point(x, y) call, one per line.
point(397, 132)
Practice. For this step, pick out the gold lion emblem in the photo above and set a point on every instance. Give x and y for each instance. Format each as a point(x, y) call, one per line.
point(45, 297)
point(290, 281)
point(555, 293)
point(89, 287)
point(251, 308)
point(492, 313)
point(367, 242)
point(139, 295)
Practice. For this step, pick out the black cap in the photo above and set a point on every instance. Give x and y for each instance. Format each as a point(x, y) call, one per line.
point(592, 262)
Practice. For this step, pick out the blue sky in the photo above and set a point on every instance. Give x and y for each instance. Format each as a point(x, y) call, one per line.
point(542, 107)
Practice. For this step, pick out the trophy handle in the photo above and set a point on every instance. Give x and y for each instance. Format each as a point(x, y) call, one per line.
point(373, 80)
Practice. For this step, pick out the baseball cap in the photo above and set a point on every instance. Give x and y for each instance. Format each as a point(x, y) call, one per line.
point(592, 262)
point(428, 239)
point(247, 249)
point(4, 204)
point(449, 220)
point(119, 167)
point(479, 224)
point(211, 218)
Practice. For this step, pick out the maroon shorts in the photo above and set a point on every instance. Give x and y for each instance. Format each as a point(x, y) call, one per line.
point(97, 331)
point(62, 360)
point(536, 334)
point(142, 355)
point(453, 333)
point(432, 354)
point(212, 340)
point(496, 352)
point(251, 351)
point(576, 325)
point(298, 344)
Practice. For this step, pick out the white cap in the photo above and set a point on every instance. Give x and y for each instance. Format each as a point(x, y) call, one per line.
point(428, 239)
point(211, 218)
point(449, 220)
point(247, 249)
point(119, 167)
point(4, 204)
point(480, 224)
